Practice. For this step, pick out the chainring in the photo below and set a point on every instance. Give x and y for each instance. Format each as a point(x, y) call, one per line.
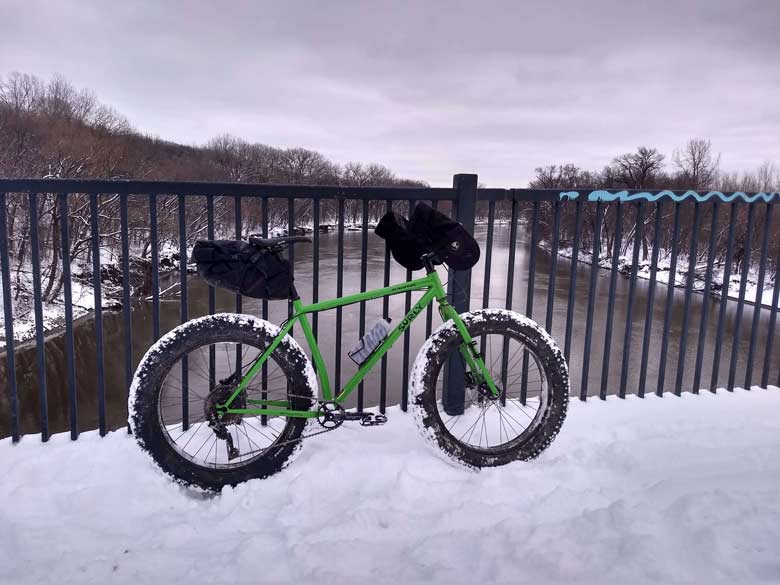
point(330, 415)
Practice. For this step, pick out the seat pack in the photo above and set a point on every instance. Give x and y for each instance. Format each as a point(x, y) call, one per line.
point(253, 271)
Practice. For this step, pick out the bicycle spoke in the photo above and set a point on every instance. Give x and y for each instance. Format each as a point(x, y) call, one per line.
point(199, 442)
point(495, 424)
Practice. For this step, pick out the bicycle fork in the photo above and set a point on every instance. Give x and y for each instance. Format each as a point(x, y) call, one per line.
point(469, 351)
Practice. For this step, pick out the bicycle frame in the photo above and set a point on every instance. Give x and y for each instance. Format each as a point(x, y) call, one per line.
point(434, 290)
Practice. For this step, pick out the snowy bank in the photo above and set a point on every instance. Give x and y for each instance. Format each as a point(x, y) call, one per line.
point(660, 490)
point(663, 275)
point(82, 295)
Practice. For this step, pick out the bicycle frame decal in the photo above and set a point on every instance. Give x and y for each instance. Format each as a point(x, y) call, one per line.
point(434, 290)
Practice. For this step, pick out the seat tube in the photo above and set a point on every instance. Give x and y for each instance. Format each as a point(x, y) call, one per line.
point(316, 355)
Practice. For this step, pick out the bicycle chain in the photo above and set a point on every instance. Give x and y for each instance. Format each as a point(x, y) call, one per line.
point(302, 437)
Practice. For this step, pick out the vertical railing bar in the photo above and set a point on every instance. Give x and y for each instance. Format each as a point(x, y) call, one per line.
point(339, 292)
point(669, 297)
point(488, 255)
point(264, 312)
point(155, 267)
point(10, 361)
point(512, 251)
point(459, 292)
point(39, 334)
point(429, 310)
point(291, 259)
point(759, 295)
point(692, 252)
point(73, 424)
point(101, 386)
point(594, 272)
point(315, 282)
point(212, 291)
point(488, 262)
point(639, 226)
point(407, 333)
point(385, 311)
point(509, 294)
point(617, 242)
point(575, 260)
point(529, 302)
point(706, 299)
point(724, 296)
point(556, 236)
point(650, 299)
point(741, 299)
point(127, 326)
point(239, 228)
point(291, 249)
point(183, 312)
point(363, 271)
point(772, 321)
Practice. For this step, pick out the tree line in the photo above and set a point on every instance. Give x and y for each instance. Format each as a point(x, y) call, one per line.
point(51, 129)
point(696, 167)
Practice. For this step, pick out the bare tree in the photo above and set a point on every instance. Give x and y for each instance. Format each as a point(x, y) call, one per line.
point(768, 176)
point(696, 164)
point(637, 170)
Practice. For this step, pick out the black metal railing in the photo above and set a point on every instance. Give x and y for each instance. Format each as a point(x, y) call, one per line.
point(537, 245)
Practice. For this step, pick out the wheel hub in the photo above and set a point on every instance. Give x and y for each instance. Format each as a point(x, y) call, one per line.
point(219, 395)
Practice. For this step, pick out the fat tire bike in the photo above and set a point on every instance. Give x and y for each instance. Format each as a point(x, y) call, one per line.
point(226, 398)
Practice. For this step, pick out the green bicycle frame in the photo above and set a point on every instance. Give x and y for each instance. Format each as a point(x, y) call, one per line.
point(433, 288)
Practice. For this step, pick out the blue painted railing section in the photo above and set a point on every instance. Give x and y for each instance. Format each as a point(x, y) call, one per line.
point(625, 196)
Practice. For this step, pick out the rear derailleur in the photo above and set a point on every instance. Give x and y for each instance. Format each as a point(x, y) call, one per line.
point(219, 422)
point(332, 415)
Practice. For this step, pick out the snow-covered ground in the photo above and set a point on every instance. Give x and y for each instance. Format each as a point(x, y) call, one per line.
point(661, 490)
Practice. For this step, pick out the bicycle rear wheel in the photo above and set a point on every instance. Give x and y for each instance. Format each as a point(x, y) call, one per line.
point(183, 377)
point(483, 430)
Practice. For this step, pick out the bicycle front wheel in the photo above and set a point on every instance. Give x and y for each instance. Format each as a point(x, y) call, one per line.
point(479, 429)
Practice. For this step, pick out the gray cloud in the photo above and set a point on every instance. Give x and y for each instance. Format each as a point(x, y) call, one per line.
point(427, 88)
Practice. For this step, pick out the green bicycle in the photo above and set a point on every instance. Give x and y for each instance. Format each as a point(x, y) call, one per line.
point(227, 398)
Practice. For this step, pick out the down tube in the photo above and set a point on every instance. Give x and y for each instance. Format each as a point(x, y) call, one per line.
point(413, 313)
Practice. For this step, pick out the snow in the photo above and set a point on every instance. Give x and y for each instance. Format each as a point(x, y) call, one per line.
point(83, 303)
point(660, 490)
point(681, 275)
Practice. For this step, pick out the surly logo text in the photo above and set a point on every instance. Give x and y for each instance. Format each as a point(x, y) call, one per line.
point(409, 318)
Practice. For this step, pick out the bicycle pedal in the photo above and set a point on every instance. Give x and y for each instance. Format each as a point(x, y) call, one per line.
point(373, 420)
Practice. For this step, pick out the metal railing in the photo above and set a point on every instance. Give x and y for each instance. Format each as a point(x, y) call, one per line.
point(576, 222)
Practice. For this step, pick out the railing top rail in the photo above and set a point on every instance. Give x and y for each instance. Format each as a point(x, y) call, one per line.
point(131, 187)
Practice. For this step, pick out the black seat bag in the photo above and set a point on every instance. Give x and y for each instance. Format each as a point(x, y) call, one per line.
point(428, 230)
point(243, 268)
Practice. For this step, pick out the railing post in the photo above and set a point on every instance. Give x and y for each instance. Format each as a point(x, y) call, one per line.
point(459, 293)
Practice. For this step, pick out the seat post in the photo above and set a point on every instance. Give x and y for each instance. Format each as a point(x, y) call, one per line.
point(427, 260)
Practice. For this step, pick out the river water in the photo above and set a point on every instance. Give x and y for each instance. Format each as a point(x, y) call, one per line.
point(84, 333)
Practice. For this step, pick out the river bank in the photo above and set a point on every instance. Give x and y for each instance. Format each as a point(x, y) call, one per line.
point(82, 295)
point(663, 276)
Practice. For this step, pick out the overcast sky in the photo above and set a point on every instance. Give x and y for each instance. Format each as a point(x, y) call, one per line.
point(426, 88)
